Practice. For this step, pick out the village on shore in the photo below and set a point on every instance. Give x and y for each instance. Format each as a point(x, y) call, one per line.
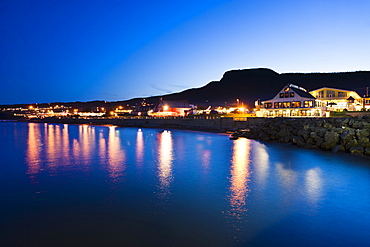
point(291, 101)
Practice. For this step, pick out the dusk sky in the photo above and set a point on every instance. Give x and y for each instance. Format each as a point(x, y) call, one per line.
point(73, 50)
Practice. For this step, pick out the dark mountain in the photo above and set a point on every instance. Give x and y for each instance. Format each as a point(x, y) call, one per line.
point(251, 84)
point(247, 86)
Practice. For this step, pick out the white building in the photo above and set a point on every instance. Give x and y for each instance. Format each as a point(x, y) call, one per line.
point(291, 101)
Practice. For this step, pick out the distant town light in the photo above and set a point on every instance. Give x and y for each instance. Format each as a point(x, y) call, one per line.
point(165, 108)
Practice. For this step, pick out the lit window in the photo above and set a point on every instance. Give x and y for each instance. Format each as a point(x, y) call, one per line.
point(308, 103)
point(268, 105)
point(296, 104)
point(291, 94)
point(281, 95)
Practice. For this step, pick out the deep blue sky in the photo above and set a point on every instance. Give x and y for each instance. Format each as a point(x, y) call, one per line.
point(74, 50)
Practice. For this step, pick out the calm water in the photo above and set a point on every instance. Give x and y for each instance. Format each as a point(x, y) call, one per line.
point(71, 185)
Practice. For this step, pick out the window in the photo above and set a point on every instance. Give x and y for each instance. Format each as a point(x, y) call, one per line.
point(268, 105)
point(308, 103)
point(367, 101)
point(321, 94)
point(281, 95)
point(286, 104)
point(286, 95)
point(296, 104)
point(278, 105)
point(291, 94)
point(330, 94)
point(342, 94)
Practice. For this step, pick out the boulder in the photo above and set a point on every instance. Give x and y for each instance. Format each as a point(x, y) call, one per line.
point(362, 133)
point(304, 133)
point(339, 149)
point(350, 144)
point(367, 151)
point(356, 150)
point(331, 136)
point(364, 141)
point(347, 135)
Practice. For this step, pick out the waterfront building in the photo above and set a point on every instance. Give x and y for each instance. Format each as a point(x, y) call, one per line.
point(335, 99)
point(166, 108)
point(290, 101)
point(366, 103)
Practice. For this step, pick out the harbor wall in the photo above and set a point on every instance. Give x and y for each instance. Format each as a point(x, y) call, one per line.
point(207, 123)
point(349, 134)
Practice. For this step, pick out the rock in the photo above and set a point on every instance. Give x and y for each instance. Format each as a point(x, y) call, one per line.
point(347, 135)
point(331, 137)
point(339, 149)
point(331, 140)
point(283, 133)
point(310, 141)
point(352, 143)
point(362, 132)
point(319, 141)
point(264, 137)
point(357, 124)
point(338, 130)
point(356, 150)
point(304, 133)
point(327, 125)
point(364, 142)
point(296, 139)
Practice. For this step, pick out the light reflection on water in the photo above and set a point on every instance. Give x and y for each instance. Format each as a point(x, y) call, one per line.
point(240, 175)
point(139, 147)
point(165, 157)
point(174, 184)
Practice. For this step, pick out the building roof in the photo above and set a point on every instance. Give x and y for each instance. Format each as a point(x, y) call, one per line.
point(302, 93)
point(321, 88)
point(176, 104)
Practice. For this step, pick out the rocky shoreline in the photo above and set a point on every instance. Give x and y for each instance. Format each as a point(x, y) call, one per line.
point(336, 134)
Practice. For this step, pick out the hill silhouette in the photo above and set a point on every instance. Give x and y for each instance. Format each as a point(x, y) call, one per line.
point(247, 85)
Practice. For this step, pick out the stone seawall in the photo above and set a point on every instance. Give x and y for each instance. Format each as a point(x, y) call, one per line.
point(205, 123)
point(335, 134)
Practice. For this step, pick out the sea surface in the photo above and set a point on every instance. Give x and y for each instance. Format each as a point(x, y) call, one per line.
point(81, 185)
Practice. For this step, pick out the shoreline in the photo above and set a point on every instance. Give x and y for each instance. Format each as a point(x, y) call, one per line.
point(338, 135)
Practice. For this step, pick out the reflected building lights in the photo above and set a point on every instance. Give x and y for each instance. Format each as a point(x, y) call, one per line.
point(165, 157)
point(287, 176)
point(313, 183)
point(139, 147)
point(51, 148)
point(240, 174)
point(65, 143)
point(261, 164)
point(206, 159)
point(115, 155)
point(33, 149)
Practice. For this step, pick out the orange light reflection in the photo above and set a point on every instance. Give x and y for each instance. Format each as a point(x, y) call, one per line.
point(33, 149)
point(240, 174)
point(116, 156)
point(165, 157)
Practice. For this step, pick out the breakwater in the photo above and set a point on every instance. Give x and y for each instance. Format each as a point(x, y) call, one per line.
point(205, 123)
point(335, 134)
